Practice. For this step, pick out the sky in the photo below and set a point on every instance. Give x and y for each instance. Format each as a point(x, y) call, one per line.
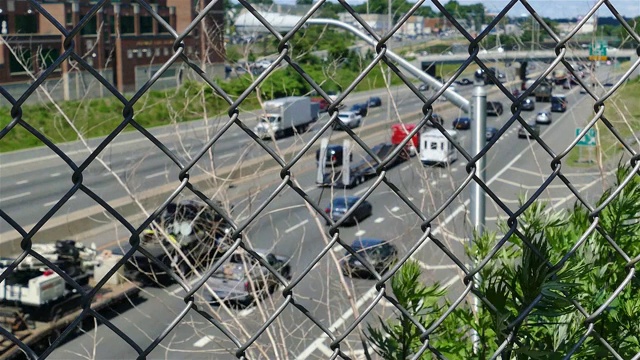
point(551, 9)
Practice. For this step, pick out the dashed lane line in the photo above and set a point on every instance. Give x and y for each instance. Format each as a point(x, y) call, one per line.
point(296, 226)
point(22, 182)
point(16, 196)
point(360, 233)
point(204, 341)
point(56, 201)
point(378, 220)
point(156, 175)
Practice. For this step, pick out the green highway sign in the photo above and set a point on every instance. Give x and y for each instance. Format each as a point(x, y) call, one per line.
point(598, 51)
point(589, 139)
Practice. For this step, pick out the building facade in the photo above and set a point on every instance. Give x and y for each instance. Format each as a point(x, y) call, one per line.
point(122, 40)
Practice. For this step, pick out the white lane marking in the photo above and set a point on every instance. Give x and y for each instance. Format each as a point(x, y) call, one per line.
point(422, 191)
point(513, 183)
point(437, 267)
point(204, 341)
point(309, 189)
point(360, 192)
point(226, 156)
point(378, 220)
point(55, 202)
point(410, 198)
point(405, 168)
point(16, 196)
point(325, 350)
point(451, 282)
point(526, 171)
point(433, 183)
point(454, 169)
point(55, 175)
point(444, 176)
point(337, 248)
point(22, 182)
point(246, 312)
point(296, 226)
point(395, 208)
point(156, 174)
point(372, 292)
point(360, 233)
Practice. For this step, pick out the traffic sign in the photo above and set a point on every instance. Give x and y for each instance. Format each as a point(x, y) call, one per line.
point(589, 139)
point(598, 51)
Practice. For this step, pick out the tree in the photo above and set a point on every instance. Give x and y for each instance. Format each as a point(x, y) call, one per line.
point(540, 272)
point(304, 2)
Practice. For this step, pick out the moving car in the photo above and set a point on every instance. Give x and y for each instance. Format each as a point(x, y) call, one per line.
point(334, 155)
point(543, 117)
point(379, 253)
point(423, 87)
point(360, 109)
point(324, 104)
point(349, 119)
point(558, 103)
point(340, 206)
point(462, 123)
point(523, 133)
point(494, 108)
point(375, 101)
point(242, 280)
point(528, 104)
point(490, 133)
point(464, 81)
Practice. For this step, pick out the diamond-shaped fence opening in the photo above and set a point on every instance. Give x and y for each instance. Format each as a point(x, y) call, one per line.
point(241, 243)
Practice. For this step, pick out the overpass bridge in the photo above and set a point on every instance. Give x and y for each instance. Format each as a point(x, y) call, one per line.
point(525, 56)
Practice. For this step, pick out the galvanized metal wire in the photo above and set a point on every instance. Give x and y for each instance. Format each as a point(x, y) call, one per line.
point(235, 237)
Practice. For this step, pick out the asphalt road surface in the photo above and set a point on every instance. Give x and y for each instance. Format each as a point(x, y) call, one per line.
point(515, 168)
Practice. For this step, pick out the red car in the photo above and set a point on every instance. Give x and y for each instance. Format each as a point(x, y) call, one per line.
point(324, 104)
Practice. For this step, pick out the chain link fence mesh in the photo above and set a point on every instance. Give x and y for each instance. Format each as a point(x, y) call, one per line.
point(235, 237)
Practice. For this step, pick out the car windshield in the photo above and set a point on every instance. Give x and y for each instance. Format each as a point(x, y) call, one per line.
point(269, 119)
point(344, 116)
point(342, 203)
point(228, 272)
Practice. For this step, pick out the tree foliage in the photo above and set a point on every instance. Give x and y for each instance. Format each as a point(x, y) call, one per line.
point(543, 270)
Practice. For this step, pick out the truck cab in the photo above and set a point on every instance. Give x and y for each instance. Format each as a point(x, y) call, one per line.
point(436, 149)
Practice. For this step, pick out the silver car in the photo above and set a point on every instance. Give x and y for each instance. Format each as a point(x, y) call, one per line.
point(349, 119)
point(543, 117)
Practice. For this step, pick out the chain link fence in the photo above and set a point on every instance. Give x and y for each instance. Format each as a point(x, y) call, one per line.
point(235, 238)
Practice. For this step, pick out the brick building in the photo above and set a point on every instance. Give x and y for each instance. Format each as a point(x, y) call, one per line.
point(122, 40)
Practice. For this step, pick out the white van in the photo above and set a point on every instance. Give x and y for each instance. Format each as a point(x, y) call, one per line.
point(436, 149)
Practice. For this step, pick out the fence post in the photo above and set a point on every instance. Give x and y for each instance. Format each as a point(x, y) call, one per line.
point(322, 160)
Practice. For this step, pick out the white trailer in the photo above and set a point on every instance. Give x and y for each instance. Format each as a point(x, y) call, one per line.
point(436, 149)
point(285, 116)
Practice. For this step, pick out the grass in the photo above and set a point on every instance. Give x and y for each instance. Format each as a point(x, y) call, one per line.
point(623, 111)
point(191, 101)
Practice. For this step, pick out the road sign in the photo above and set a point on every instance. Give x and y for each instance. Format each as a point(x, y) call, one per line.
point(598, 51)
point(589, 139)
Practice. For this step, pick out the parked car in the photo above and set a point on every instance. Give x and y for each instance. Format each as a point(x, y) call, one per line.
point(360, 109)
point(334, 155)
point(379, 253)
point(349, 119)
point(340, 206)
point(464, 81)
point(462, 123)
point(543, 117)
point(375, 101)
point(490, 133)
point(494, 108)
point(528, 104)
point(242, 280)
point(423, 87)
point(558, 103)
point(523, 133)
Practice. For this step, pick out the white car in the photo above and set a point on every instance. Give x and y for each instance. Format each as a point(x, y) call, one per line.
point(349, 118)
point(543, 117)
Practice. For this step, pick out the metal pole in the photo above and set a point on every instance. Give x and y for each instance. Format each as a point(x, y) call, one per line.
point(478, 206)
point(322, 160)
point(346, 167)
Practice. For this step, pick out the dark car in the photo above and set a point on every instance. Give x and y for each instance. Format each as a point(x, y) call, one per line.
point(464, 81)
point(360, 109)
point(436, 119)
point(462, 123)
point(243, 280)
point(528, 104)
point(494, 108)
point(340, 206)
point(334, 155)
point(375, 101)
point(190, 226)
point(523, 133)
point(558, 104)
point(490, 133)
point(423, 87)
point(379, 253)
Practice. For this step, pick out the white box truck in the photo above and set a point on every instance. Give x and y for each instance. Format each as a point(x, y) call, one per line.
point(436, 149)
point(285, 116)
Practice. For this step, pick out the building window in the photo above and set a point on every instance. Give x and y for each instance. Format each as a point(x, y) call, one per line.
point(129, 54)
point(127, 25)
point(139, 52)
point(112, 24)
point(68, 18)
point(26, 24)
point(146, 24)
point(165, 51)
point(148, 52)
point(91, 28)
point(16, 63)
point(156, 51)
point(48, 57)
point(161, 29)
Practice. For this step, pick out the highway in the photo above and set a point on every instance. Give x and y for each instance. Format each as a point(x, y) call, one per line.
point(515, 167)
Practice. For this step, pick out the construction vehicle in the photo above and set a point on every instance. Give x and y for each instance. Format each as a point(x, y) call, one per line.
point(543, 91)
point(37, 303)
